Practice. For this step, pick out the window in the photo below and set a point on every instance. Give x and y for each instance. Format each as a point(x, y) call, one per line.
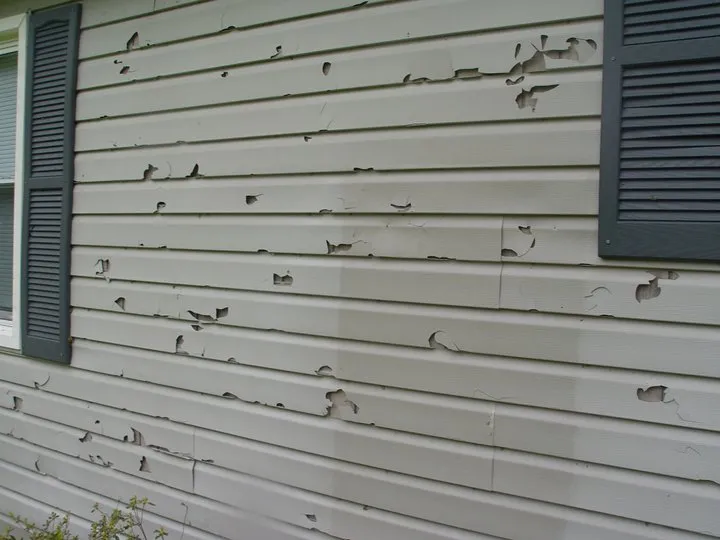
point(38, 66)
point(660, 147)
point(12, 98)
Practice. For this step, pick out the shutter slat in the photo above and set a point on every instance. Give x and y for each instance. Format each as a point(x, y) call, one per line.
point(53, 36)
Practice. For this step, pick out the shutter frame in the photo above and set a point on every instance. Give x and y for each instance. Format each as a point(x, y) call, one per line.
point(679, 240)
point(47, 199)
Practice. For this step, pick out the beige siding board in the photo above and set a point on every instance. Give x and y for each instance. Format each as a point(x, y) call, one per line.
point(542, 144)
point(378, 66)
point(35, 511)
point(675, 503)
point(206, 514)
point(577, 94)
point(385, 23)
point(557, 192)
point(587, 341)
point(495, 514)
point(207, 18)
point(391, 236)
point(384, 449)
point(170, 470)
point(438, 282)
point(684, 296)
point(692, 402)
point(96, 12)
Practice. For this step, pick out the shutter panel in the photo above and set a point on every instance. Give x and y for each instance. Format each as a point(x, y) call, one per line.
point(660, 155)
point(50, 134)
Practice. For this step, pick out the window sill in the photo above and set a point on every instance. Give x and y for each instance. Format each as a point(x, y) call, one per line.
point(9, 338)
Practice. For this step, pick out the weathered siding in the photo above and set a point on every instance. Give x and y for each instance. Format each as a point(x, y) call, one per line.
point(336, 276)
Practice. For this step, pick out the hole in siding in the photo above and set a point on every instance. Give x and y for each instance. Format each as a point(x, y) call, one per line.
point(202, 317)
point(222, 312)
point(337, 248)
point(86, 438)
point(402, 207)
point(224, 74)
point(252, 199)
point(179, 345)
point(508, 253)
point(517, 49)
point(307, 138)
point(197, 327)
point(280, 405)
point(195, 172)
point(311, 517)
point(526, 98)
point(229, 395)
point(159, 206)
point(324, 371)
point(510, 82)
point(467, 73)
point(525, 229)
point(148, 173)
point(138, 438)
point(338, 399)
point(543, 41)
point(120, 302)
point(440, 340)
point(17, 403)
point(278, 51)
point(324, 211)
point(133, 41)
point(652, 394)
point(326, 68)
point(285, 280)
point(124, 70)
point(144, 465)
point(648, 291)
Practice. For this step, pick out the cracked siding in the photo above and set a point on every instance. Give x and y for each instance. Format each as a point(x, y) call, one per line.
point(335, 276)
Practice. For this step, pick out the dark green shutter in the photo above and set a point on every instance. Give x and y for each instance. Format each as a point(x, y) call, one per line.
point(50, 133)
point(660, 148)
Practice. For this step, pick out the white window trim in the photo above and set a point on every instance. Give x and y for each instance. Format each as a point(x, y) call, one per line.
point(13, 38)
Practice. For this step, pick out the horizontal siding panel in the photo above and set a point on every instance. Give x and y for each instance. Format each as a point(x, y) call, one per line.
point(380, 448)
point(465, 101)
point(169, 470)
point(207, 18)
point(495, 514)
point(664, 295)
point(394, 236)
point(548, 144)
point(100, 12)
point(509, 381)
point(555, 192)
point(385, 23)
point(490, 53)
point(589, 341)
point(442, 282)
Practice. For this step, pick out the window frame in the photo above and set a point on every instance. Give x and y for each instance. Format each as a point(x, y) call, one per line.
point(13, 39)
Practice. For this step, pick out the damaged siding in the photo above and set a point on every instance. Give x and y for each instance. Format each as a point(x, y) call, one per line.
point(335, 276)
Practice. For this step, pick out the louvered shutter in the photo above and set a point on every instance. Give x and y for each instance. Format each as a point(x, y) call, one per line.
point(660, 148)
point(50, 130)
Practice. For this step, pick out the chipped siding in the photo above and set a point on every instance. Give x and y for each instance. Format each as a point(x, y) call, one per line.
point(335, 276)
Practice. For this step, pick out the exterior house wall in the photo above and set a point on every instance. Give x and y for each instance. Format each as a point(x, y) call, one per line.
point(335, 275)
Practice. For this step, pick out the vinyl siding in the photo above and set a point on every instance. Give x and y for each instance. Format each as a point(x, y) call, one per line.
point(335, 275)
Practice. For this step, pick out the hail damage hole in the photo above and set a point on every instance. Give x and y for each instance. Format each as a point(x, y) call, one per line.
point(325, 211)
point(440, 340)
point(526, 98)
point(97, 422)
point(120, 302)
point(148, 173)
point(437, 258)
point(517, 50)
point(252, 199)
point(17, 403)
point(280, 405)
point(337, 248)
point(202, 317)
point(117, 61)
point(324, 371)
point(311, 517)
point(652, 394)
point(124, 70)
point(361, 4)
point(102, 266)
point(37, 465)
point(278, 51)
point(138, 438)
point(508, 252)
point(224, 74)
point(232, 360)
point(648, 291)
point(197, 327)
point(221, 312)
point(525, 229)
point(229, 395)
point(133, 41)
point(159, 206)
point(285, 280)
point(326, 68)
point(543, 41)
point(402, 207)
point(337, 399)
point(195, 172)
point(179, 341)
point(307, 138)
point(144, 466)
point(510, 82)
point(361, 170)
point(467, 73)
point(86, 438)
